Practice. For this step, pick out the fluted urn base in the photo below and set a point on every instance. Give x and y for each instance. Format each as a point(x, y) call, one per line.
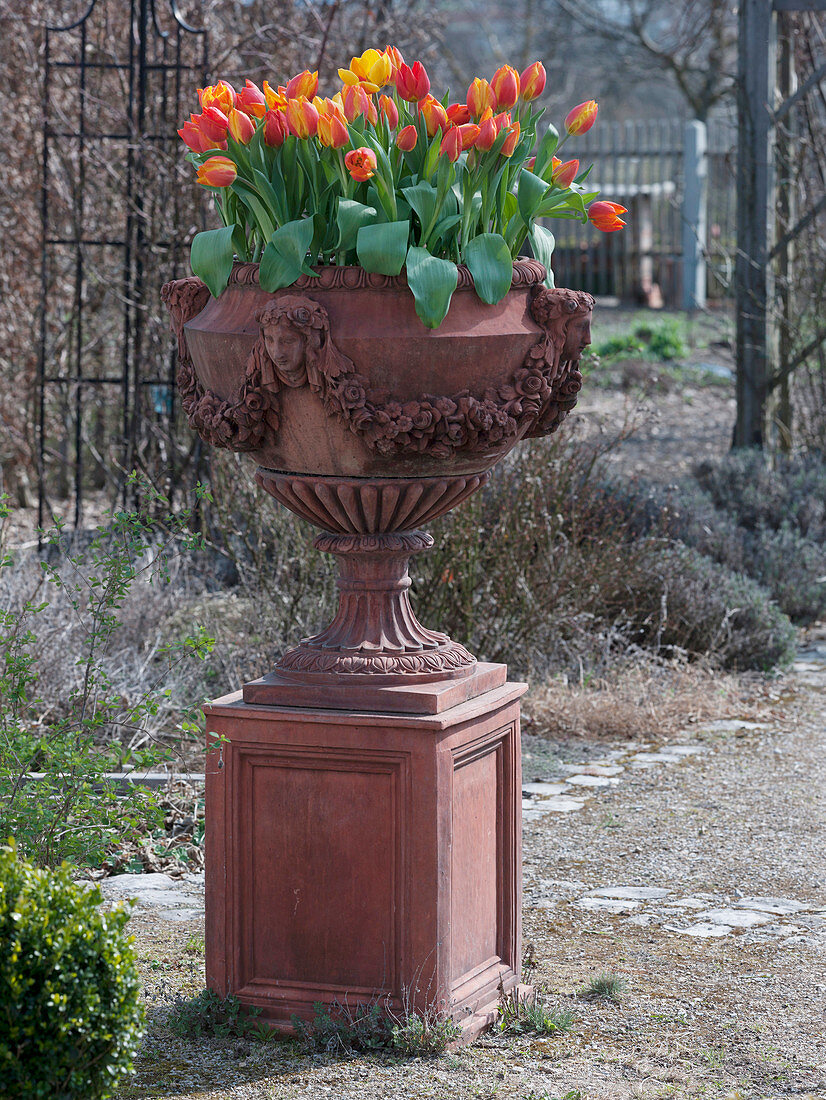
point(375, 652)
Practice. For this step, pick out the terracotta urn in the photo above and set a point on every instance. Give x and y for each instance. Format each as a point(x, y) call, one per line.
point(369, 425)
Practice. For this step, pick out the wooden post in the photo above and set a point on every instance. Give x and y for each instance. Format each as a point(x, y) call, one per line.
point(695, 239)
point(755, 217)
point(786, 211)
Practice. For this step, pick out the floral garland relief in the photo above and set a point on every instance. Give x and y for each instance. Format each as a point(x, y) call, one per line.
point(295, 349)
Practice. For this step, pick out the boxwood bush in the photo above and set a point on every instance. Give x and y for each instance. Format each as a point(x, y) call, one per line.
point(70, 1018)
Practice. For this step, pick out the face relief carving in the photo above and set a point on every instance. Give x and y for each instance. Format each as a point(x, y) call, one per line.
point(286, 348)
point(577, 336)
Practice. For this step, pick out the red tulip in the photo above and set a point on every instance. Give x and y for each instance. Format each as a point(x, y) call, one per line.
point(361, 163)
point(505, 86)
point(332, 125)
point(193, 136)
point(305, 84)
point(302, 118)
point(435, 116)
point(510, 141)
point(480, 96)
point(275, 128)
point(212, 123)
point(563, 175)
point(412, 83)
point(532, 81)
point(355, 102)
point(390, 111)
point(581, 118)
point(406, 139)
point(221, 95)
point(605, 215)
point(488, 131)
point(252, 100)
point(241, 127)
point(458, 114)
point(217, 172)
point(451, 144)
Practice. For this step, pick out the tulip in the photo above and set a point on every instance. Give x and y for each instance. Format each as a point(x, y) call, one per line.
point(276, 100)
point(332, 126)
point(581, 118)
point(396, 60)
point(458, 114)
point(212, 123)
point(217, 172)
point(510, 141)
point(372, 70)
point(252, 100)
point(221, 95)
point(451, 144)
point(532, 81)
point(412, 83)
point(302, 118)
point(241, 127)
point(390, 111)
point(605, 215)
point(406, 139)
point(479, 97)
point(505, 86)
point(563, 175)
point(435, 116)
point(305, 84)
point(356, 101)
point(275, 128)
point(361, 163)
point(488, 131)
point(193, 136)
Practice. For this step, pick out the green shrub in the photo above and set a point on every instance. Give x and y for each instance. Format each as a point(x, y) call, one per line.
point(70, 1020)
point(224, 1018)
point(662, 341)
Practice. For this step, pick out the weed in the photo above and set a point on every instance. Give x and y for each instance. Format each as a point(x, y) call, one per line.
point(524, 1014)
point(195, 945)
point(375, 1029)
point(208, 1014)
point(606, 986)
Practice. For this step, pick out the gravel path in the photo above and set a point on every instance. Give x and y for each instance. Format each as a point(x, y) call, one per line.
point(695, 868)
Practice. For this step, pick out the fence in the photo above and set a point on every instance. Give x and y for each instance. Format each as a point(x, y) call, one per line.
point(646, 167)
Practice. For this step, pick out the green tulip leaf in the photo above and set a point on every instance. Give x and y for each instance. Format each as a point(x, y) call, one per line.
point(542, 242)
point(491, 266)
point(284, 258)
point(529, 194)
point(211, 257)
point(351, 217)
point(432, 282)
point(423, 199)
point(383, 248)
point(545, 151)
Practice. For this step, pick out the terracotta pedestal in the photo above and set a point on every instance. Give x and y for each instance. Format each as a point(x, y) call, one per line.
point(363, 857)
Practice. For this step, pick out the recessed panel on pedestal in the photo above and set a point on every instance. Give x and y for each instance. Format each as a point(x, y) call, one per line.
point(320, 873)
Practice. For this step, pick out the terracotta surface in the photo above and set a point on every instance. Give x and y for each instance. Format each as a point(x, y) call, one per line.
point(365, 856)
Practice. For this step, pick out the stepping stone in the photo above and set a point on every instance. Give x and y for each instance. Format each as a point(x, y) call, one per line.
point(156, 891)
point(685, 750)
point(180, 915)
point(610, 905)
point(655, 758)
point(778, 906)
point(702, 930)
point(688, 903)
point(592, 781)
point(731, 725)
point(561, 805)
point(734, 918)
point(630, 893)
point(544, 789)
point(594, 769)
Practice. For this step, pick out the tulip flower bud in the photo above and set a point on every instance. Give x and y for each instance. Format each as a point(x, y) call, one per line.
point(217, 172)
point(480, 96)
point(356, 101)
point(212, 123)
point(221, 95)
point(252, 100)
point(305, 84)
point(390, 111)
point(275, 129)
point(505, 86)
point(332, 127)
point(581, 118)
point(396, 60)
point(435, 116)
point(532, 81)
point(302, 118)
point(458, 114)
point(406, 139)
point(451, 144)
point(412, 82)
point(511, 140)
point(488, 131)
point(241, 127)
point(275, 99)
point(605, 215)
point(193, 136)
point(563, 175)
point(361, 163)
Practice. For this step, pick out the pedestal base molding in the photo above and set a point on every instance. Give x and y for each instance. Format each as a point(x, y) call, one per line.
point(365, 857)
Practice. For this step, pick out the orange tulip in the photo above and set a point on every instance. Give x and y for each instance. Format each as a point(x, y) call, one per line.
point(581, 118)
point(252, 100)
point(220, 95)
point(275, 99)
point(302, 118)
point(451, 144)
point(605, 215)
point(510, 141)
point(212, 123)
point(488, 131)
point(406, 139)
point(332, 125)
point(390, 111)
point(275, 128)
point(435, 116)
point(305, 84)
point(505, 86)
point(217, 172)
point(372, 71)
point(193, 136)
point(356, 101)
point(480, 96)
point(532, 81)
point(241, 126)
point(412, 82)
point(396, 60)
point(563, 175)
point(361, 163)
point(458, 114)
